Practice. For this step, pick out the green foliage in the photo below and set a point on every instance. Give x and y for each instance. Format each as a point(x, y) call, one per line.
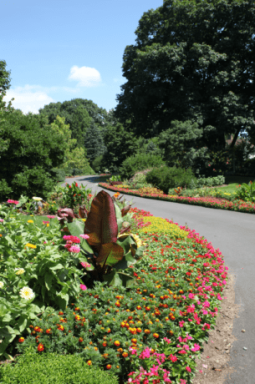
point(4, 82)
point(94, 142)
point(187, 64)
point(30, 152)
point(120, 144)
point(181, 147)
point(53, 368)
point(165, 178)
point(210, 181)
point(139, 162)
point(246, 192)
point(32, 256)
point(73, 195)
point(75, 157)
point(97, 164)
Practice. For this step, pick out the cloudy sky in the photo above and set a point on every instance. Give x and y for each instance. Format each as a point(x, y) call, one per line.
point(59, 50)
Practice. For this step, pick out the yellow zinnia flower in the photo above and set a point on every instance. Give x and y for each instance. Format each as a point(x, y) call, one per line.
point(30, 245)
point(30, 221)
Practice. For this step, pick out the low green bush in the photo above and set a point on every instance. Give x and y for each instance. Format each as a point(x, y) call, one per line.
point(210, 181)
point(32, 368)
point(139, 162)
point(165, 178)
point(59, 174)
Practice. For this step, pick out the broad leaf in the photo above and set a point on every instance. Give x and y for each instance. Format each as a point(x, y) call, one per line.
point(110, 254)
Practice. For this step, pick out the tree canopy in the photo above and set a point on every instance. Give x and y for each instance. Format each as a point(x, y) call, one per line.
point(193, 60)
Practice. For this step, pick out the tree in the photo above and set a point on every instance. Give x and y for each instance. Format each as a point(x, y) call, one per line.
point(4, 78)
point(75, 157)
point(32, 149)
point(180, 146)
point(120, 144)
point(193, 60)
point(94, 142)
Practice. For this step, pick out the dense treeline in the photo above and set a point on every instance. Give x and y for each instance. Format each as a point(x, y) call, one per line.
point(189, 100)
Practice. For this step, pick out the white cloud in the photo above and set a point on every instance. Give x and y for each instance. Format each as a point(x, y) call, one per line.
point(86, 76)
point(29, 98)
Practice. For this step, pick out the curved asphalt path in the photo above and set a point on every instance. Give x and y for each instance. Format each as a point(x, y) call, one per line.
point(234, 234)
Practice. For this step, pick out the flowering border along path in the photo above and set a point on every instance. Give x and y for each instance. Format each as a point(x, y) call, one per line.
point(153, 331)
point(210, 202)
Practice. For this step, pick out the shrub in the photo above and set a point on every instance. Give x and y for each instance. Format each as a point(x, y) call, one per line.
point(165, 178)
point(59, 174)
point(97, 164)
point(139, 162)
point(52, 368)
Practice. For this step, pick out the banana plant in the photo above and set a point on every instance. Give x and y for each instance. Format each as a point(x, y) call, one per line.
point(109, 250)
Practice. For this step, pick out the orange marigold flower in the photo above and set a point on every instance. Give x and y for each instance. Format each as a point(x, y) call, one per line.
point(89, 362)
point(48, 331)
point(138, 330)
point(156, 335)
point(134, 341)
point(108, 366)
point(147, 331)
point(120, 350)
point(105, 355)
point(37, 329)
point(80, 339)
point(104, 344)
point(61, 328)
point(40, 347)
point(61, 313)
point(125, 354)
point(21, 340)
point(116, 343)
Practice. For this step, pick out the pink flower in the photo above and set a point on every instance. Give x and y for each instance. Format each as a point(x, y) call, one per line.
point(188, 369)
point(195, 348)
point(1, 220)
point(168, 341)
point(182, 381)
point(133, 351)
point(74, 249)
point(181, 323)
point(191, 295)
point(12, 201)
point(173, 358)
point(51, 217)
point(83, 287)
point(46, 222)
point(84, 236)
point(85, 265)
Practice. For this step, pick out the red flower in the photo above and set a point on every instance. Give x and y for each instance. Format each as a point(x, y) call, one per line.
point(40, 347)
point(21, 340)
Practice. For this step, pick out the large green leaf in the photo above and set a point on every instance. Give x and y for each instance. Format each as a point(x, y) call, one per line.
point(125, 262)
point(22, 323)
point(110, 254)
point(118, 216)
point(125, 242)
point(117, 279)
point(48, 280)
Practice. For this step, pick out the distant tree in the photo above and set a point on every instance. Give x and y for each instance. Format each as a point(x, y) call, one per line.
point(75, 157)
point(182, 146)
point(30, 152)
point(4, 78)
point(94, 142)
point(120, 144)
point(193, 60)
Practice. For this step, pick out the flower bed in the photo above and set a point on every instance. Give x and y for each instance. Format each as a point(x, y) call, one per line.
point(153, 331)
point(211, 202)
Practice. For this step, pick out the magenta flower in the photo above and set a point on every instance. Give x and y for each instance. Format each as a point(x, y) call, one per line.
point(188, 369)
point(83, 287)
point(51, 217)
point(181, 323)
point(46, 222)
point(1, 220)
point(195, 348)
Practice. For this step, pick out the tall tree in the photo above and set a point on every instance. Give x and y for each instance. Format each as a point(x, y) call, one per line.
point(120, 144)
point(193, 60)
point(94, 142)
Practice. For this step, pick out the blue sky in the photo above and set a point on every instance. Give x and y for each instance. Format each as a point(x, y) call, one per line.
point(59, 50)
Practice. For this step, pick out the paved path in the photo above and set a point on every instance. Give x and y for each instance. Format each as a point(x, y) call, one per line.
point(234, 234)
